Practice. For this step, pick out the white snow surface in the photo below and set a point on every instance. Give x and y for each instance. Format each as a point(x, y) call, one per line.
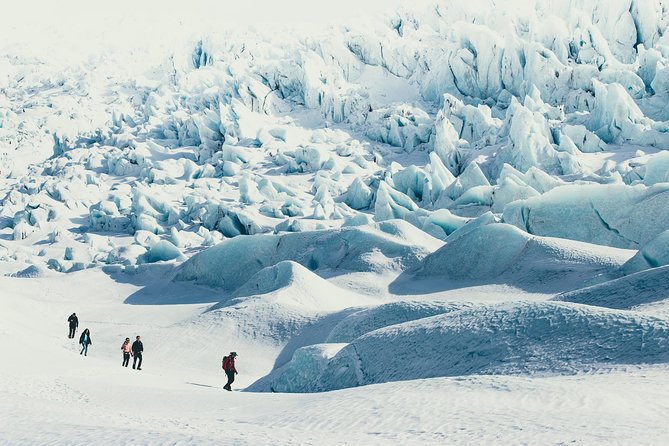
point(426, 222)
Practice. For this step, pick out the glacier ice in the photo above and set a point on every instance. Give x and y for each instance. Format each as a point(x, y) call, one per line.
point(162, 250)
point(615, 114)
point(305, 367)
point(292, 285)
point(657, 169)
point(234, 261)
point(365, 321)
point(501, 252)
point(625, 293)
point(653, 254)
point(527, 336)
point(613, 215)
point(401, 127)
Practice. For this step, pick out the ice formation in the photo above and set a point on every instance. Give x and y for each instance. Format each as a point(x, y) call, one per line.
point(290, 284)
point(393, 245)
point(523, 335)
point(629, 292)
point(475, 115)
point(614, 215)
point(653, 254)
point(501, 252)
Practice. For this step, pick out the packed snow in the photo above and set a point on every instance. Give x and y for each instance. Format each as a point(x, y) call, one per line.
point(423, 222)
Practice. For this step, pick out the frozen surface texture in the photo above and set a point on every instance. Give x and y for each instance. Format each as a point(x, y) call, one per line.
point(505, 339)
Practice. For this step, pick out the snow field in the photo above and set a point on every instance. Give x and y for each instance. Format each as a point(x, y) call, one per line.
point(177, 397)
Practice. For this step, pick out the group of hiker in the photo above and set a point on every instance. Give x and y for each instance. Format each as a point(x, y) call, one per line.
point(137, 349)
point(84, 339)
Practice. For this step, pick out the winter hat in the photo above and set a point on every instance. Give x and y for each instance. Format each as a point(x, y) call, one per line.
point(233, 353)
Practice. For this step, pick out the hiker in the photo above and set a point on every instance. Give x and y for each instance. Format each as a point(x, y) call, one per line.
point(125, 348)
point(74, 323)
point(85, 341)
point(137, 350)
point(230, 369)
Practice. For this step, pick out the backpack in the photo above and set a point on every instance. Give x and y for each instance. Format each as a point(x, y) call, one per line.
point(227, 363)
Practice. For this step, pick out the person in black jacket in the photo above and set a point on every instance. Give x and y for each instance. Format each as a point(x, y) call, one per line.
point(74, 323)
point(85, 341)
point(137, 350)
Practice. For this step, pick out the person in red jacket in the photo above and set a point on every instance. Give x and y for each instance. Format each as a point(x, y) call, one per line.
point(230, 369)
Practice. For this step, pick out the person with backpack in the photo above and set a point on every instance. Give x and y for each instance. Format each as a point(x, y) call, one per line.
point(85, 341)
point(125, 348)
point(230, 369)
point(137, 350)
point(74, 323)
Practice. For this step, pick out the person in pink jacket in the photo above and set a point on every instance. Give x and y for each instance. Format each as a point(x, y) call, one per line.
point(125, 348)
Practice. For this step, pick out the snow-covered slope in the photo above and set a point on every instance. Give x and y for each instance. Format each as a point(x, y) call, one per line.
point(504, 254)
point(621, 216)
point(290, 284)
point(364, 321)
point(393, 246)
point(548, 338)
point(653, 254)
point(638, 289)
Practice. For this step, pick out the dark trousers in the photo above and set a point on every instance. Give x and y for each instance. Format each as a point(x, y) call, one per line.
point(231, 379)
point(126, 359)
point(72, 330)
point(138, 355)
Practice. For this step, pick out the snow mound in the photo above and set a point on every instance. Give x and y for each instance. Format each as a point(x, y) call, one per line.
point(32, 272)
point(657, 169)
point(503, 252)
point(512, 338)
point(162, 251)
point(387, 246)
point(652, 255)
point(305, 368)
point(626, 292)
point(614, 215)
point(370, 319)
point(290, 284)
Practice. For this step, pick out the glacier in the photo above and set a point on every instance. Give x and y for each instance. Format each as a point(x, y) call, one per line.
point(461, 205)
